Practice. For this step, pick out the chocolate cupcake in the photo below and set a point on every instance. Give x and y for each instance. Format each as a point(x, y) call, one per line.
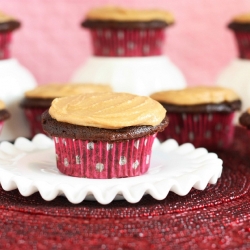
point(104, 135)
point(4, 114)
point(38, 100)
point(241, 27)
point(245, 119)
point(121, 32)
point(7, 25)
point(200, 115)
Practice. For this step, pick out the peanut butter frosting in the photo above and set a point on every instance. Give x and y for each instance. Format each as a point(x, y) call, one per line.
point(60, 90)
point(107, 110)
point(113, 13)
point(243, 18)
point(5, 18)
point(2, 105)
point(196, 95)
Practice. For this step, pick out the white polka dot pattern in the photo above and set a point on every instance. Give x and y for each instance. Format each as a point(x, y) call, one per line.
point(103, 159)
point(212, 131)
point(127, 42)
point(99, 167)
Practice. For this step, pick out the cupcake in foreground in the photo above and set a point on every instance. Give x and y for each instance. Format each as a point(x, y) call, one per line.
point(4, 114)
point(121, 32)
point(241, 27)
point(102, 136)
point(245, 119)
point(200, 115)
point(38, 100)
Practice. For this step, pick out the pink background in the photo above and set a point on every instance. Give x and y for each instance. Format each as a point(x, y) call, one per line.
point(51, 43)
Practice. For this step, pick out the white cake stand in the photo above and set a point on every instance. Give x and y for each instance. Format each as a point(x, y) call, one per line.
point(15, 80)
point(137, 75)
point(30, 166)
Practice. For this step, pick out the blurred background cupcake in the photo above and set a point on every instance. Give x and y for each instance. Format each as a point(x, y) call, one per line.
point(121, 32)
point(200, 115)
point(128, 50)
point(39, 99)
point(237, 74)
point(15, 79)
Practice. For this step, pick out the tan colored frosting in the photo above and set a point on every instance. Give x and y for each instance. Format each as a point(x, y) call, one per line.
point(5, 18)
point(196, 95)
point(248, 111)
point(108, 110)
point(113, 13)
point(243, 18)
point(59, 90)
point(2, 105)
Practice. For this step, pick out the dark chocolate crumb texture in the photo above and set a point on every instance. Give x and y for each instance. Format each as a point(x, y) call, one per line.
point(66, 130)
point(245, 120)
point(36, 102)
point(239, 26)
point(225, 107)
point(4, 114)
point(95, 24)
point(9, 25)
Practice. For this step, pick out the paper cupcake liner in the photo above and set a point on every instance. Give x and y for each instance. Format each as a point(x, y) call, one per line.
point(212, 131)
point(127, 42)
point(103, 160)
point(5, 39)
point(243, 41)
point(34, 118)
point(1, 126)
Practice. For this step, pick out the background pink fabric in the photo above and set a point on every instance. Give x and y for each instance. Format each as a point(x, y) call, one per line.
point(51, 43)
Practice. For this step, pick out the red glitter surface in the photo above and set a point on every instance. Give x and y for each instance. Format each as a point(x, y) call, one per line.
point(216, 218)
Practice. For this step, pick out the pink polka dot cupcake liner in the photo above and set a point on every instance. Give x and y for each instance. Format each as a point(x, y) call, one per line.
point(1, 126)
point(5, 39)
point(212, 131)
point(243, 41)
point(127, 42)
point(103, 160)
point(33, 116)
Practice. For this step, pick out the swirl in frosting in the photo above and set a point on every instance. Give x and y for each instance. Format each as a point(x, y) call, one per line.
point(196, 95)
point(108, 110)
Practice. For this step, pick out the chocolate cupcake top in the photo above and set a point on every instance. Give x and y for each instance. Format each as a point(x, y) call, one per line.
point(43, 95)
point(199, 99)
point(240, 22)
point(117, 17)
point(107, 110)
point(8, 23)
point(245, 119)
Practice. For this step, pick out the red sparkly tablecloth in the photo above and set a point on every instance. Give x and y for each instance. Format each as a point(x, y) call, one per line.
point(216, 218)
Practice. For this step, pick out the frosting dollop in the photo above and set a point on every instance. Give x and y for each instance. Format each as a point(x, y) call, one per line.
point(5, 18)
point(113, 13)
point(2, 105)
point(54, 90)
point(107, 110)
point(242, 18)
point(196, 95)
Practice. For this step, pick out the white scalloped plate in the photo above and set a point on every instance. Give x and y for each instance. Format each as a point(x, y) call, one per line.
point(30, 166)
